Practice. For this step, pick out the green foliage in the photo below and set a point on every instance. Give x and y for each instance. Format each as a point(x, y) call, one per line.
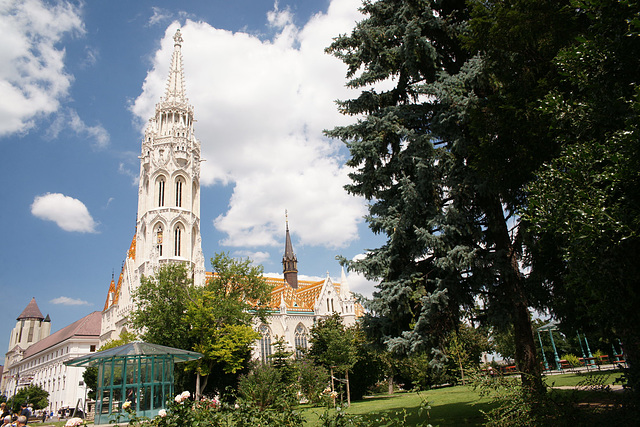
point(90, 378)
point(464, 347)
point(221, 314)
point(161, 302)
point(584, 204)
point(33, 394)
point(213, 413)
point(516, 405)
point(444, 152)
point(312, 379)
point(281, 361)
point(339, 418)
point(333, 345)
point(215, 319)
point(266, 387)
point(572, 359)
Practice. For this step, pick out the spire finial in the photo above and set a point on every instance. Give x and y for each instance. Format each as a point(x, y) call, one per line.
point(177, 38)
point(286, 218)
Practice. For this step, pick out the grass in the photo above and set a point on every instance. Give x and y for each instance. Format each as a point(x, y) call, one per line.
point(450, 406)
point(609, 377)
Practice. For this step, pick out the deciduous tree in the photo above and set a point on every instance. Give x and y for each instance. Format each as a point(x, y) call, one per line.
point(221, 315)
point(585, 204)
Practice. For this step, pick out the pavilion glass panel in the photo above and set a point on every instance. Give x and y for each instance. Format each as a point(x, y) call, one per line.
point(145, 381)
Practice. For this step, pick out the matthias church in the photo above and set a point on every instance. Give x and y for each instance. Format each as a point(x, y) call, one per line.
point(167, 231)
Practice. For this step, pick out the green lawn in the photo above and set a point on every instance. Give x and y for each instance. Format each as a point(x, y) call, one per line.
point(574, 379)
point(450, 406)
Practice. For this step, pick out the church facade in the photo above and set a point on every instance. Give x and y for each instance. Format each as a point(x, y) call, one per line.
point(168, 230)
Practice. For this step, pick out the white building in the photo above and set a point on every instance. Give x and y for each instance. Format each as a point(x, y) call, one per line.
point(168, 230)
point(42, 362)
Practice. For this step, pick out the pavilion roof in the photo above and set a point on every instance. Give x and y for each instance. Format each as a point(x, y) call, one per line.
point(136, 348)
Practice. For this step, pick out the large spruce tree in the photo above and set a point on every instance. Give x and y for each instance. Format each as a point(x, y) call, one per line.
point(446, 141)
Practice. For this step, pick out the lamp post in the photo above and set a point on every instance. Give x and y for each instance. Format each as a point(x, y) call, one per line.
point(84, 401)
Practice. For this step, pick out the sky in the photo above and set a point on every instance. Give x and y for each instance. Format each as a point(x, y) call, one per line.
point(79, 81)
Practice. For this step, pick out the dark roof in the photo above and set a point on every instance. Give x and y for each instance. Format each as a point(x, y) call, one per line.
point(88, 326)
point(137, 348)
point(31, 311)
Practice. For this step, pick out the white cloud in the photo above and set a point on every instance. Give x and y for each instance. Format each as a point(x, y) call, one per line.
point(68, 301)
point(358, 283)
point(159, 15)
point(262, 106)
point(32, 76)
point(70, 214)
point(69, 118)
point(257, 257)
point(123, 170)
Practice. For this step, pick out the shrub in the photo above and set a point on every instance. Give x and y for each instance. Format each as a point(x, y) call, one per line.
point(264, 388)
point(312, 379)
point(572, 359)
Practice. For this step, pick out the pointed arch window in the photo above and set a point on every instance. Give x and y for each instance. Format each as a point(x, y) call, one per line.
point(300, 340)
point(159, 238)
point(177, 241)
point(265, 343)
point(161, 185)
point(179, 188)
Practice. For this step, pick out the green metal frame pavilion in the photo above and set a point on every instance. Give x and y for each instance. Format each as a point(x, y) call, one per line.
point(138, 372)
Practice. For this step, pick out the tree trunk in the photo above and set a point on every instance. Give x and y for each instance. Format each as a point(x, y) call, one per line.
point(461, 370)
point(197, 397)
point(513, 286)
point(390, 379)
point(332, 387)
point(348, 391)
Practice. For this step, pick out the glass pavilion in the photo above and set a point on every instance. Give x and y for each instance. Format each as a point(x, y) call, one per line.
point(138, 372)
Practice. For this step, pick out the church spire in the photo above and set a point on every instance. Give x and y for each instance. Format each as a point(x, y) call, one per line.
point(289, 260)
point(175, 84)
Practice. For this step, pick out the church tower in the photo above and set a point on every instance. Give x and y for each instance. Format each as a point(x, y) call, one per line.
point(168, 226)
point(289, 261)
point(31, 327)
point(168, 220)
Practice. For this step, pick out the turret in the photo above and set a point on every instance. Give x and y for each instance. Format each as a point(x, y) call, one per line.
point(31, 327)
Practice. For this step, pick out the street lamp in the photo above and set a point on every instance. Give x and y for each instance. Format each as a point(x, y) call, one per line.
point(84, 401)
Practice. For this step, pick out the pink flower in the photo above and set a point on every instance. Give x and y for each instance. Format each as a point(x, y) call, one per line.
point(72, 422)
point(162, 413)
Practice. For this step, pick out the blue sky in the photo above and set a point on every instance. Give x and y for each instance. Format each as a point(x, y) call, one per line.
point(78, 81)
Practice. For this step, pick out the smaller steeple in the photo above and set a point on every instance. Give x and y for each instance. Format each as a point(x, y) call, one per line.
point(289, 260)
